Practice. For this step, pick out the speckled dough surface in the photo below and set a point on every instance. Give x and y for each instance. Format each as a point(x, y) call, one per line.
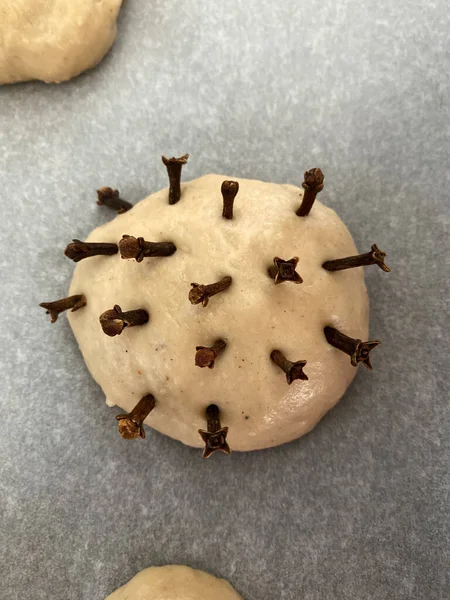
point(54, 40)
point(253, 316)
point(175, 582)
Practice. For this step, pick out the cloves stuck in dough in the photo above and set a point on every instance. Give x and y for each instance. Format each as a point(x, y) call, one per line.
point(131, 425)
point(274, 334)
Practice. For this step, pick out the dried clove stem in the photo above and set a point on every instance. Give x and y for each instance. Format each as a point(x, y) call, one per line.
point(138, 248)
point(114, 321)
point(293, 370)
point(358, 350)
point(54, 309)
point(205, 356)
point(202, 293)
point(111, 198)
point(374, 257)
point(312, 184)
point(229, 191)
point(131, 425)
point(174, 166)
point(284, 270)
point(215, 436)
point(79, 250)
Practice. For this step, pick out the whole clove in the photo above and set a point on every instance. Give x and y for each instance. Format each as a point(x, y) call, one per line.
point(312, 184)
point(54, 309)
point(284, 270)
point(202, 293)
point(358, 350)
point(229, 191)
point(374, 257)
point(293, 370)
point(215, 436)
point(114, 321)
point(206, 356)
point(106, 196)
point(174, 167)
point(138, 248)
point(131, 425)
point(79, 250)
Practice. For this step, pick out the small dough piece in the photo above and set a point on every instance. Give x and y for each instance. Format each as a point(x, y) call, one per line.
point(254, 316)
point(175, 582)
point(54, 40)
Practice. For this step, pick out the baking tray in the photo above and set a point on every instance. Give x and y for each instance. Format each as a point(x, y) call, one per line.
point(357, 509)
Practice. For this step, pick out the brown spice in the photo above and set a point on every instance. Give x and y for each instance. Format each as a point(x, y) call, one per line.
point(374, 257)
point(138, 248)
point(114, 321)
point(58, 306)
point(229, 191)
point(358, 350)
point(312, 184)
point(174, 166)
point(205, 356)
point(111, 198)
point(202, 293)
point(293, 370)
point(79, 250)
point(215, 436)
point(131, 425)
point(284, 270)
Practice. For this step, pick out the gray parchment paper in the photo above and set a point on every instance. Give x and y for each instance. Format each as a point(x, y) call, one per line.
point(359, 508)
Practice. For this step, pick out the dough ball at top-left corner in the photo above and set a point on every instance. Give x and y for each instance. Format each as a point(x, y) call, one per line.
point(54, 40)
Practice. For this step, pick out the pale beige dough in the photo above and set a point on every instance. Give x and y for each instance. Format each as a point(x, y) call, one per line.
point(175, 582)
point(253, 316)
point(54, 40)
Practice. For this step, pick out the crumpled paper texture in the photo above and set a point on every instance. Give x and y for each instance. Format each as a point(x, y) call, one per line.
point(357, 509)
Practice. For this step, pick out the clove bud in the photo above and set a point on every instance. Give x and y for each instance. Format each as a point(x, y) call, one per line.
point(202, 293)
point(114, 321)
point(215, 436)
point(205, 357)
point(138, 248)
point(54, 309)
point(131, 425)
point(111, 198)
point(174, 166)
point(79, 250)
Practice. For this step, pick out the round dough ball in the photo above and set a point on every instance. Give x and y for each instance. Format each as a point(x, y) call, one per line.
point(175, 582)
point(54, 40)
point(254, 316)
